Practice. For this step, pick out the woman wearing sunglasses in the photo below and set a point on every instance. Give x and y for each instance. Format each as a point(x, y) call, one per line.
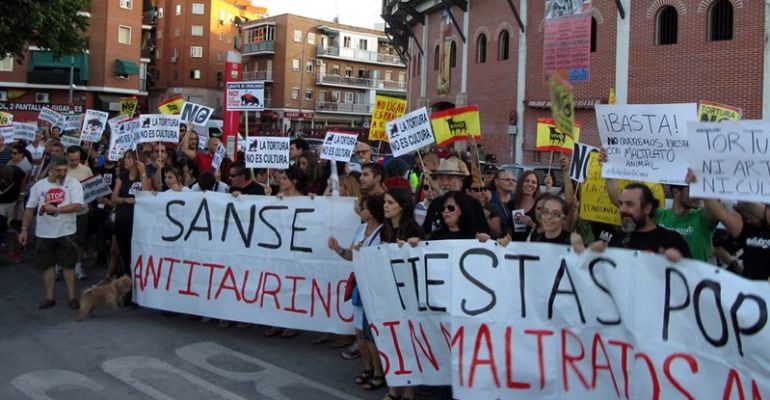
point(457, 220)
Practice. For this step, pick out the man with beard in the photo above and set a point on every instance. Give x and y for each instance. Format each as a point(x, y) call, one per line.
point(371, 180)
point(748, 223)
point(55, 200)
point(638, 229)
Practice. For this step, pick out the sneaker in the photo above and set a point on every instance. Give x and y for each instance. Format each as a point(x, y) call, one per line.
point(73, 304)
point(351, 352)
point(57, 272)
point(47, 303)
point(80, 273)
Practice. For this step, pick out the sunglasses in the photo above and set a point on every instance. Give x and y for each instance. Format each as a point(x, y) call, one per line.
point(450, 208)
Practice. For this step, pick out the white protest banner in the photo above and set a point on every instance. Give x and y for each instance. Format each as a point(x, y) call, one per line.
point(410, 132)
point(93, 125)
point(24, 130)
point(122, 138)
point(95, 187)
point(267, 152)
point(72, 123)
point(219, 155)
point(113, 122)
point(535, 320)
point(51, 116)
point(252, 258)
point(338, 146)
point(195, 113)
point(203, 142)
point(7, 132)
point(730, 160)
point(159, 128)
point(5, 118)
point(645, 141)
point(245, 96)
point(581, 153)
point(71, 138)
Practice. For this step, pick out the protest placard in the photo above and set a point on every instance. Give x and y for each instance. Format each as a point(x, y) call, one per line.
point(5, 118)
point(195, 113)
point(158, 128)
point(645, 141)
point(455, 124)
point(567, 39)
point(251, 258)
point(536, 320)
point(70, 138)
point(72, 123)
point(714, 112)
point(267, 152)
point(550, 138)
point(245, 96)
point(338, 146)
point(128, 106)
point(730, 160)
point(578, 169)
point(7, 132)
point(93, 125)
point(219, 156)
point(94, 187)
point(24, 131)
point(122, 138)
point(562, 104)
point(386, 109)
point(410, 132)
point(50, 116)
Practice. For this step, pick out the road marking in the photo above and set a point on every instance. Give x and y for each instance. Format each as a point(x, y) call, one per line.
point(123, 367)
point(36, 384)
point(267, 382)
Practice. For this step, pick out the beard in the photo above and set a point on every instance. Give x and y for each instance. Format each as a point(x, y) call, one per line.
point(629, 224)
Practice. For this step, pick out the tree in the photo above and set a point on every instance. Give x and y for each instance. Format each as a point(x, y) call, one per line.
point(54, 25)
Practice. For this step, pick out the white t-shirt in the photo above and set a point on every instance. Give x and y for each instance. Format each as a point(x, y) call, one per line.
point(184, 189)
point(219, 186)
point(36, 152)
point(81, 173)
point(43, 191)
point(23, 164)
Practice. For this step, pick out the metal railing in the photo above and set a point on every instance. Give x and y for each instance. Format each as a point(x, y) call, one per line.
point(358, 55)
point(353, 108)
point(267, 46)
point(258, 75)
point(367, 83)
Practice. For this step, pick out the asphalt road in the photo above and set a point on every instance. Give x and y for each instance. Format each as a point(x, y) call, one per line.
point(137, 353)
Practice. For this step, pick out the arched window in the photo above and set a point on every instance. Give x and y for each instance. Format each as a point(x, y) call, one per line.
point(503, 43)
point(481, 49)
point(436, 55)
point(721, 21)
point(668, 25)
point(593, 34)
point(452, 55)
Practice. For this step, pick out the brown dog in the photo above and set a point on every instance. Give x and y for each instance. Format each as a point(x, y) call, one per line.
point(110, 294)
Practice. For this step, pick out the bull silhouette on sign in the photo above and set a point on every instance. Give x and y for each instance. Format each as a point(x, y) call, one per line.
point(253, 146)
point(555, 136)
point(456, 127)
point(249, 99)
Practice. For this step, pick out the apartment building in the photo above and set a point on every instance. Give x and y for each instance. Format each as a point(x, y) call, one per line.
point(318, 74)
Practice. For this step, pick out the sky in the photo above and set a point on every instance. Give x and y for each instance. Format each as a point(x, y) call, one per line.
point(361, 13)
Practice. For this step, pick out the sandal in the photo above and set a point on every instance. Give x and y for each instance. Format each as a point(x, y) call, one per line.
point(375, 383)
point(364, 377)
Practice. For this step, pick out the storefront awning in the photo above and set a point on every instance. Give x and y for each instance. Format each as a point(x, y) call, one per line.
point(126, 67)
point(45, 60)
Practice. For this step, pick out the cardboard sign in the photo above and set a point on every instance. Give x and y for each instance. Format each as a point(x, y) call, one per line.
point(714, 112)
point(646, 141)
point(219, 156)
point(456, 124)
point(7, 132)
point(567, 39)
point(267, 152)
point(562, 104)
point(93, 125)
point(5, 118)
point(95, 187)
point(730, 160)
point(50, 116)
point(386, 109)
point(122, 138)
point(338, 146)
point(72, 123)
point(128, 106)
point(578, 169)
point(196, 113)
point(410, 132)
point(158, 128)
point(277, 270)
point(550, 138)
point(71, 138)
point(245, 96)
point(24, 131)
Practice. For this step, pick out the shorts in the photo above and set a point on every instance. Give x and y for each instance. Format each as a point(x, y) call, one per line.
point(52, 251)
point(81, 235)
point(358, 317)
point(7, 210)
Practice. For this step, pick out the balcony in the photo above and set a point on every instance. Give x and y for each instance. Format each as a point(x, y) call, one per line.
point(359, 55)
point(264, 47)
point(344, 108)
point(265, 75)
point(361, 83)
point(142, 85)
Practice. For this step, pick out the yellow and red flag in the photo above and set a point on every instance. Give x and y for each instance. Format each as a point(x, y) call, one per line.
point(455, 124)
point(714, 112)
point(550, 138)
point(172, 106)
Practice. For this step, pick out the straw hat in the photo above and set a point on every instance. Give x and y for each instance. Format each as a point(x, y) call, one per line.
point(451, 166)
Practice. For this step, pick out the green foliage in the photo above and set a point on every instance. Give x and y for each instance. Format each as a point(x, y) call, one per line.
point(55, 25)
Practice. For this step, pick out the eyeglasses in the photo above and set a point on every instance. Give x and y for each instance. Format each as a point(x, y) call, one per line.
point(479, 189)
point(552, 213)
point(450, 208)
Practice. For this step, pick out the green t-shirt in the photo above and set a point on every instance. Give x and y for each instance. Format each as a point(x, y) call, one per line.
point(696, 229)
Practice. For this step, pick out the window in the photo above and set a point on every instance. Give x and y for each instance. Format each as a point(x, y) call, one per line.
point(127, 4)
point(160, 12)
point(401, 76)
point(221, 17)
point(158, 56)
point(197, 30)
point(362, 44)
point(503, 42)
point(196, 51)
point(176, 53)
point(336, 69)
point(452, 54)
point(310, 38)
point(361, 73)
point(295, 65)
point(336, 96)
point(594, 36)
point(176, 74)
point(481, 49)
point(346, 42)
point(349, 97)
point(298, 36)
point(295, 93)
point(124, 34)
point(388, 75)
point(221, 36)
point(309, 94)
point(667, 26)
point(160, 33)
point(721, 21)
point(198, 8)
point(349, 71)
point(176, 32)
point(436, 57)
point(6, 64)
point(219, 56)
point(195, 74)
point(309, 65)
point(178, 11)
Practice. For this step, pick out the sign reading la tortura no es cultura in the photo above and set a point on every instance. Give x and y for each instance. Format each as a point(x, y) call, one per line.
point(62, 108)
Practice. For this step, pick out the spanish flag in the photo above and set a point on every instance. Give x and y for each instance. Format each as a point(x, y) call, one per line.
point(455, 124)
point(550, 138)
point(172, 106)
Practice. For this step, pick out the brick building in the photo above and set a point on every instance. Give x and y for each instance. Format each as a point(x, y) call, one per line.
point(318, 73)
point(660, 51)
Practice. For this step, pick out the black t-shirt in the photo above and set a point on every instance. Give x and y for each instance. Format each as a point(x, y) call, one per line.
point(433, 216)
point(445, 234)
point(652, 241)
point(563, 238)
point(125, 212)
point(10, 193)
point(251, 188)
point(756, 252)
